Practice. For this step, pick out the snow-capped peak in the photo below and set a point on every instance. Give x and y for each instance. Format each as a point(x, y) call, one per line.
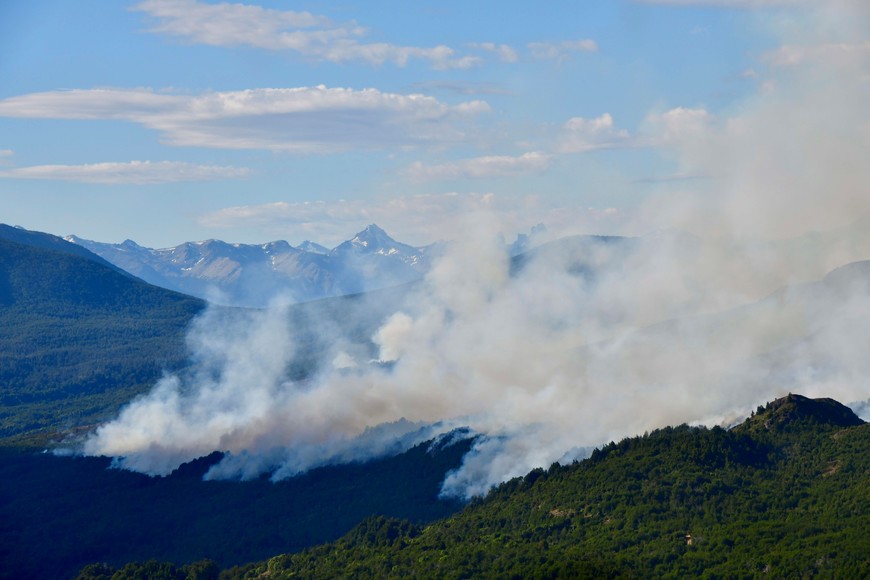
point(374, 239)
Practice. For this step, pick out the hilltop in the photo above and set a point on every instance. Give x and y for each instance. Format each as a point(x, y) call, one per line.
point(796, 412)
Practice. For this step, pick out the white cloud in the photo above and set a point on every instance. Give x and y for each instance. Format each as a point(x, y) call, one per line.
point(306, 119)
point(483, 167)
point(504, 51)
point(6, 152)
point(561, 50)
point(132, 172)
point(418, 219)
point(312, 36)
point(673, 128)
point(676, 126)
point(580, 135)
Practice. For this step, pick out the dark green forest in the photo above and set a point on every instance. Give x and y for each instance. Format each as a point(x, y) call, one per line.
point(784, 495)
point(59, 513)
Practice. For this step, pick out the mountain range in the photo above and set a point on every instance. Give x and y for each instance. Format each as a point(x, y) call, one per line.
point(249, 275)
point(252, 275)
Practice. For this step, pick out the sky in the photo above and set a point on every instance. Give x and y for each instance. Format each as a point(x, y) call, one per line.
point(166, 121)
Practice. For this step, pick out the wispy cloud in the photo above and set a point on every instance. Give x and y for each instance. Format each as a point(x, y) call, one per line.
point(677, 126)
point(132, 172)
point(674, 127)
point(581, 134)
point(462, 87)
point(307, 119)
point(561, 50)
point(418, 219)
point(315, 37)
point(483, 167)
point(504, 52)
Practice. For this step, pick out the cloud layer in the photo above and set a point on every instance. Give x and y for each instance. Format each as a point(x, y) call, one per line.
point(312, 36)
point(131, 172)
point(307, 119)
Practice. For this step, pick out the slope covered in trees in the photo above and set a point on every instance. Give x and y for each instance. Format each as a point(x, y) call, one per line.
point(786, 494)
point(59, 513)
point(79, 336)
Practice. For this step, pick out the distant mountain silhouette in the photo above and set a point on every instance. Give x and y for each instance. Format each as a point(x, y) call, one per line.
point(250, 275)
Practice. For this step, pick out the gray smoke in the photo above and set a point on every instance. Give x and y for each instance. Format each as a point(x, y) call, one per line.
point(586, 341)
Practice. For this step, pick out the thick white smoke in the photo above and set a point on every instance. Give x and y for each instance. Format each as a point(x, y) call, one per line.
point(588, 341)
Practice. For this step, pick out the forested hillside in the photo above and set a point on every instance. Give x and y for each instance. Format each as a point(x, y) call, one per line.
point(79, 337)
point(786, 494)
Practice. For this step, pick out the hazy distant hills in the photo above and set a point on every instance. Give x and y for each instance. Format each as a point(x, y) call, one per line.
point(251, 275)
point(79, 337)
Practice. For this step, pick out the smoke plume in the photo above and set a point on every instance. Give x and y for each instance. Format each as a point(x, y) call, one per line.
point(748, 290)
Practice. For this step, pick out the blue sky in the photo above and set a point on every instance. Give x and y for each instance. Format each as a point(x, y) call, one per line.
point(173, 120)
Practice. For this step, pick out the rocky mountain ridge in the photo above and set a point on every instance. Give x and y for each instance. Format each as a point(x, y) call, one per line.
point(251, 275)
